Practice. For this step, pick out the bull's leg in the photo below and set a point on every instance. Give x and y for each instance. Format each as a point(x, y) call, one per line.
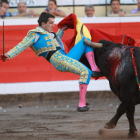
point(113, 122)
point(130, 110)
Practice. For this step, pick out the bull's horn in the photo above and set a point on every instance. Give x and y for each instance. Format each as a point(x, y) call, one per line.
point(81, 32)
point(92, 44)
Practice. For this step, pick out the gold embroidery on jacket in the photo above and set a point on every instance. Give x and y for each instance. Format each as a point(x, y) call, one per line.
point(48, 43)
point(29, 40)
point(66, 64)
point(46, 38)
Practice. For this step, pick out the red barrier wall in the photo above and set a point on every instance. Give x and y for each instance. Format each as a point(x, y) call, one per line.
point(27, 67)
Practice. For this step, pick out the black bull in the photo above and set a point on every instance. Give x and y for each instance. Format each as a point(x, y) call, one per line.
point(115, 63)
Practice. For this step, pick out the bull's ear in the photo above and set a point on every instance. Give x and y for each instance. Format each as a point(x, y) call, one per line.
point(92, 44)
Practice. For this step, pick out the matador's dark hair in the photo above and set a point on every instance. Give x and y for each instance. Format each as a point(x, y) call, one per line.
point(44, 17)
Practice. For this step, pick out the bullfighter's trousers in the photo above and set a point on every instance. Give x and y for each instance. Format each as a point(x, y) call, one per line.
point(70, 62)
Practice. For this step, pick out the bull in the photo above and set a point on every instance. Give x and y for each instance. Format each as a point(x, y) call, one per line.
point(115, 63)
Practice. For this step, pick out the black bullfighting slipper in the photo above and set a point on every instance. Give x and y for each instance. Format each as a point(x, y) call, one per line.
point(83, 109)
point(96, 74)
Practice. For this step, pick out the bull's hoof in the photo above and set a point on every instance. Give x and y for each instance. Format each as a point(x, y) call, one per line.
point(133, 134)
point(109, 126)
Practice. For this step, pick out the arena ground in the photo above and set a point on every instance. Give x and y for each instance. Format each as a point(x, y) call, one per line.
point(54, 117)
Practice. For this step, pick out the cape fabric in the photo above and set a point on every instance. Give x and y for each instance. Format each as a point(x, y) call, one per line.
point(94, 34)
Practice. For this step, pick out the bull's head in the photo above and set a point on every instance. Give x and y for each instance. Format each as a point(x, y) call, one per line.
point(89, 43)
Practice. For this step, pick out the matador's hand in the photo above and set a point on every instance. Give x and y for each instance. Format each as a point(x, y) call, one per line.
point(64, 28)
point(4, 57)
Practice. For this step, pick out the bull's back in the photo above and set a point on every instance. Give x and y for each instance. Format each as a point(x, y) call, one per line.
point(116, 63)
point(126, 67)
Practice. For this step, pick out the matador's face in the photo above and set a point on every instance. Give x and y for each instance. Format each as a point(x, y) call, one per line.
point(49, 25)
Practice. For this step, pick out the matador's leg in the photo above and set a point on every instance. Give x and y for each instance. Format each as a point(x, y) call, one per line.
point(79, 49)
point(64, 63)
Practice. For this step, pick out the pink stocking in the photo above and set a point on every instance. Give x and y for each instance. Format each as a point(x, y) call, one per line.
point(91, 60)
point(82, 94)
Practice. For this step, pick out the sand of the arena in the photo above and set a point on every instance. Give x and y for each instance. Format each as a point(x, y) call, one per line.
point(57, 119)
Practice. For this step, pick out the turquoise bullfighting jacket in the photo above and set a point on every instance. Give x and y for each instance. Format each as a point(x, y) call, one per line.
point(40, 41)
